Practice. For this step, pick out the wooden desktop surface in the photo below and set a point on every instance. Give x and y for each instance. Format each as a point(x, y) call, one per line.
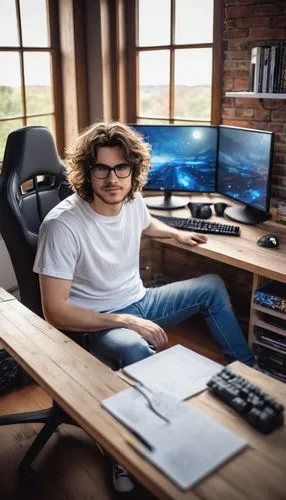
point(78, 383)
point(243, 251)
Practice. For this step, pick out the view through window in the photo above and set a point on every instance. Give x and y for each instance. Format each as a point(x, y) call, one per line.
point(175, 59)
point(26, 94)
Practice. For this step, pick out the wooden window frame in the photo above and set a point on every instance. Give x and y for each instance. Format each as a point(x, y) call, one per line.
point(132, 62)
point(54, 50)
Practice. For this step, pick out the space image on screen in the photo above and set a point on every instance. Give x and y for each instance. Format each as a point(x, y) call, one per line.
point(183, 158)
point(243, 171)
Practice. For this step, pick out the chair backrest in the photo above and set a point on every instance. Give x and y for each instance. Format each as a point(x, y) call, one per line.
point(30, 152)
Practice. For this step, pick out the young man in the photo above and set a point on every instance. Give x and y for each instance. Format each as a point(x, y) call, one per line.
point(88, 259)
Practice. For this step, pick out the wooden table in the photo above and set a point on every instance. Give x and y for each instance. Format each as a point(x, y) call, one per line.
point(78, 383)
point(240, 252)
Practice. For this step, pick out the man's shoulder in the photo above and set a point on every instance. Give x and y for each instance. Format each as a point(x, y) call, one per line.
point(65, 210)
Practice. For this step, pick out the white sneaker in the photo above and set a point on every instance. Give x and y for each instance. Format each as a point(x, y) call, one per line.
point(122, 481)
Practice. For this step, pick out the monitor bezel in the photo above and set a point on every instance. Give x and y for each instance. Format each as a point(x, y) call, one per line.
point(270, 166)
point(170, 125)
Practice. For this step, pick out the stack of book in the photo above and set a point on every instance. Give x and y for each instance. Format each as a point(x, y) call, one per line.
point(268, 69)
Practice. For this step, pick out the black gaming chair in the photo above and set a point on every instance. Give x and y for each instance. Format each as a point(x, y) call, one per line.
point(30, 153)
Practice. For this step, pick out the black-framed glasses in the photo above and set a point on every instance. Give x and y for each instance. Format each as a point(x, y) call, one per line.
point(101, 171)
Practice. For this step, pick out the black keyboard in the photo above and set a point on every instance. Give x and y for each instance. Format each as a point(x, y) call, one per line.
point(199, 225)
point(258, 408)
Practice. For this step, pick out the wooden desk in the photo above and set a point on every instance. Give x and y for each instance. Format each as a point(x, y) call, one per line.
point(78, 383)
point(241, 252)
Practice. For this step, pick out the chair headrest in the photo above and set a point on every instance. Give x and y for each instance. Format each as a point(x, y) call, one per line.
point(31, 151)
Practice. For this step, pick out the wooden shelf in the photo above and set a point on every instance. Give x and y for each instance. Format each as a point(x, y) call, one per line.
point(272, 348)
point(256, 95)
point(269, 326)
point(271, 312)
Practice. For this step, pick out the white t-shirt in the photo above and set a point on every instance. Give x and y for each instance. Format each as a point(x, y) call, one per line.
point(99, 254)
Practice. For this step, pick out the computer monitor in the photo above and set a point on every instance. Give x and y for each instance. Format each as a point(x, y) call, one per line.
point(183, 159)
point(243, 172)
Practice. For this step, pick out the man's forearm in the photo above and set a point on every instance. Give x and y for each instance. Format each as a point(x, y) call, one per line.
point(160, 230)
point(73, 318)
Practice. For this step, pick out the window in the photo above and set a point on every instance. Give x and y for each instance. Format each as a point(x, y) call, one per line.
point(28, 75)
point(178, 48)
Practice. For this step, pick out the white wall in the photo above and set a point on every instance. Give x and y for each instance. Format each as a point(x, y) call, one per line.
point(7, 275)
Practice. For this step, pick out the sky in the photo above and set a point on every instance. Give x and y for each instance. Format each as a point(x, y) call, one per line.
point(193, 25)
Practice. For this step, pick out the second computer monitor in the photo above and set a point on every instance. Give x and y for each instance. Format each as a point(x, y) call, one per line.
point(183, 159)
point(244, 167)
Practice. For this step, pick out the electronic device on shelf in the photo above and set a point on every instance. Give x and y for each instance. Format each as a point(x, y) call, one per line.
point(272, 296)
point(258, 408)
point(199, 225)
point(183, 158)
point(243, 172)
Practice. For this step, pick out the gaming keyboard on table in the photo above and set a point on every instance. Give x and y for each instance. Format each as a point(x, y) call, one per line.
point(258, 408)
point(199, 225)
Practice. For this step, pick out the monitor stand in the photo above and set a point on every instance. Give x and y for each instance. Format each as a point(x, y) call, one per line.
point(246, 215)
point(166, 201)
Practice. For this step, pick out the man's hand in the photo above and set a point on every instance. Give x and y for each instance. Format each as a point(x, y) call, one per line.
point(153, 333)
point(189, 238)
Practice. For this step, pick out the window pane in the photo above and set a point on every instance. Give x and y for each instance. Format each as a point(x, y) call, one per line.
point(154, 69)
point(43, 121)
point(10, 85)
point(8, 24)
point(152, 122)
point(34, 23)
point(193, 76)
point(190, 122)
point(5, 129)
point(154, 22)
point(194, 21)
point(37, 69)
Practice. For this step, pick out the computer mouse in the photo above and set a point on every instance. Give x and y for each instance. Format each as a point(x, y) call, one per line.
point(269, 241)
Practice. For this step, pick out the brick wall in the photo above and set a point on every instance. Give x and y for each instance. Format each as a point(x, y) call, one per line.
point(250, 23)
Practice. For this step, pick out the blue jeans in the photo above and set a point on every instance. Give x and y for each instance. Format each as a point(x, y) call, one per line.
point(171, 304)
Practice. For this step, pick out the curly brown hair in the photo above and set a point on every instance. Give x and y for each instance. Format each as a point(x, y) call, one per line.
point(134, 149)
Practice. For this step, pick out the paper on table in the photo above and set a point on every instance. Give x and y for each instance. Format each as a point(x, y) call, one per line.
point(187, 449)
point(176, 371)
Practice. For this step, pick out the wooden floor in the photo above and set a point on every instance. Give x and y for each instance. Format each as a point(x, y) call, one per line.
point(71, 467)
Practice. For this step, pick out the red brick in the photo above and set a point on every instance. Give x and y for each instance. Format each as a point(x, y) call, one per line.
point(278, 21)
point(238, 54)
point(274, 127)
point(240, 84)
point(244, 112)
point(266, 33)
point(229, 24)
point(229, 112)
point(236, 33)
point(240, 66)
point(237, 2)
point(237, 12)
point(279, 115)
point(238, 123)
point(238, 73)
point(249, 21)
point(271, 8)
point(262, 114)
point(239, 45)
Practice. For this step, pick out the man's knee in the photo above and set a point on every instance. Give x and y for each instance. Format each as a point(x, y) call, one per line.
point(216, 288)
point(135, 352)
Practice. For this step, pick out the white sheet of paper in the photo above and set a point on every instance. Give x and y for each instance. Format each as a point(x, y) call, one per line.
point(187, 449)
point(177, 371)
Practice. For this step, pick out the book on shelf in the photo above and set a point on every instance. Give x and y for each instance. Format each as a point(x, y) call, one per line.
point(267, 71)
